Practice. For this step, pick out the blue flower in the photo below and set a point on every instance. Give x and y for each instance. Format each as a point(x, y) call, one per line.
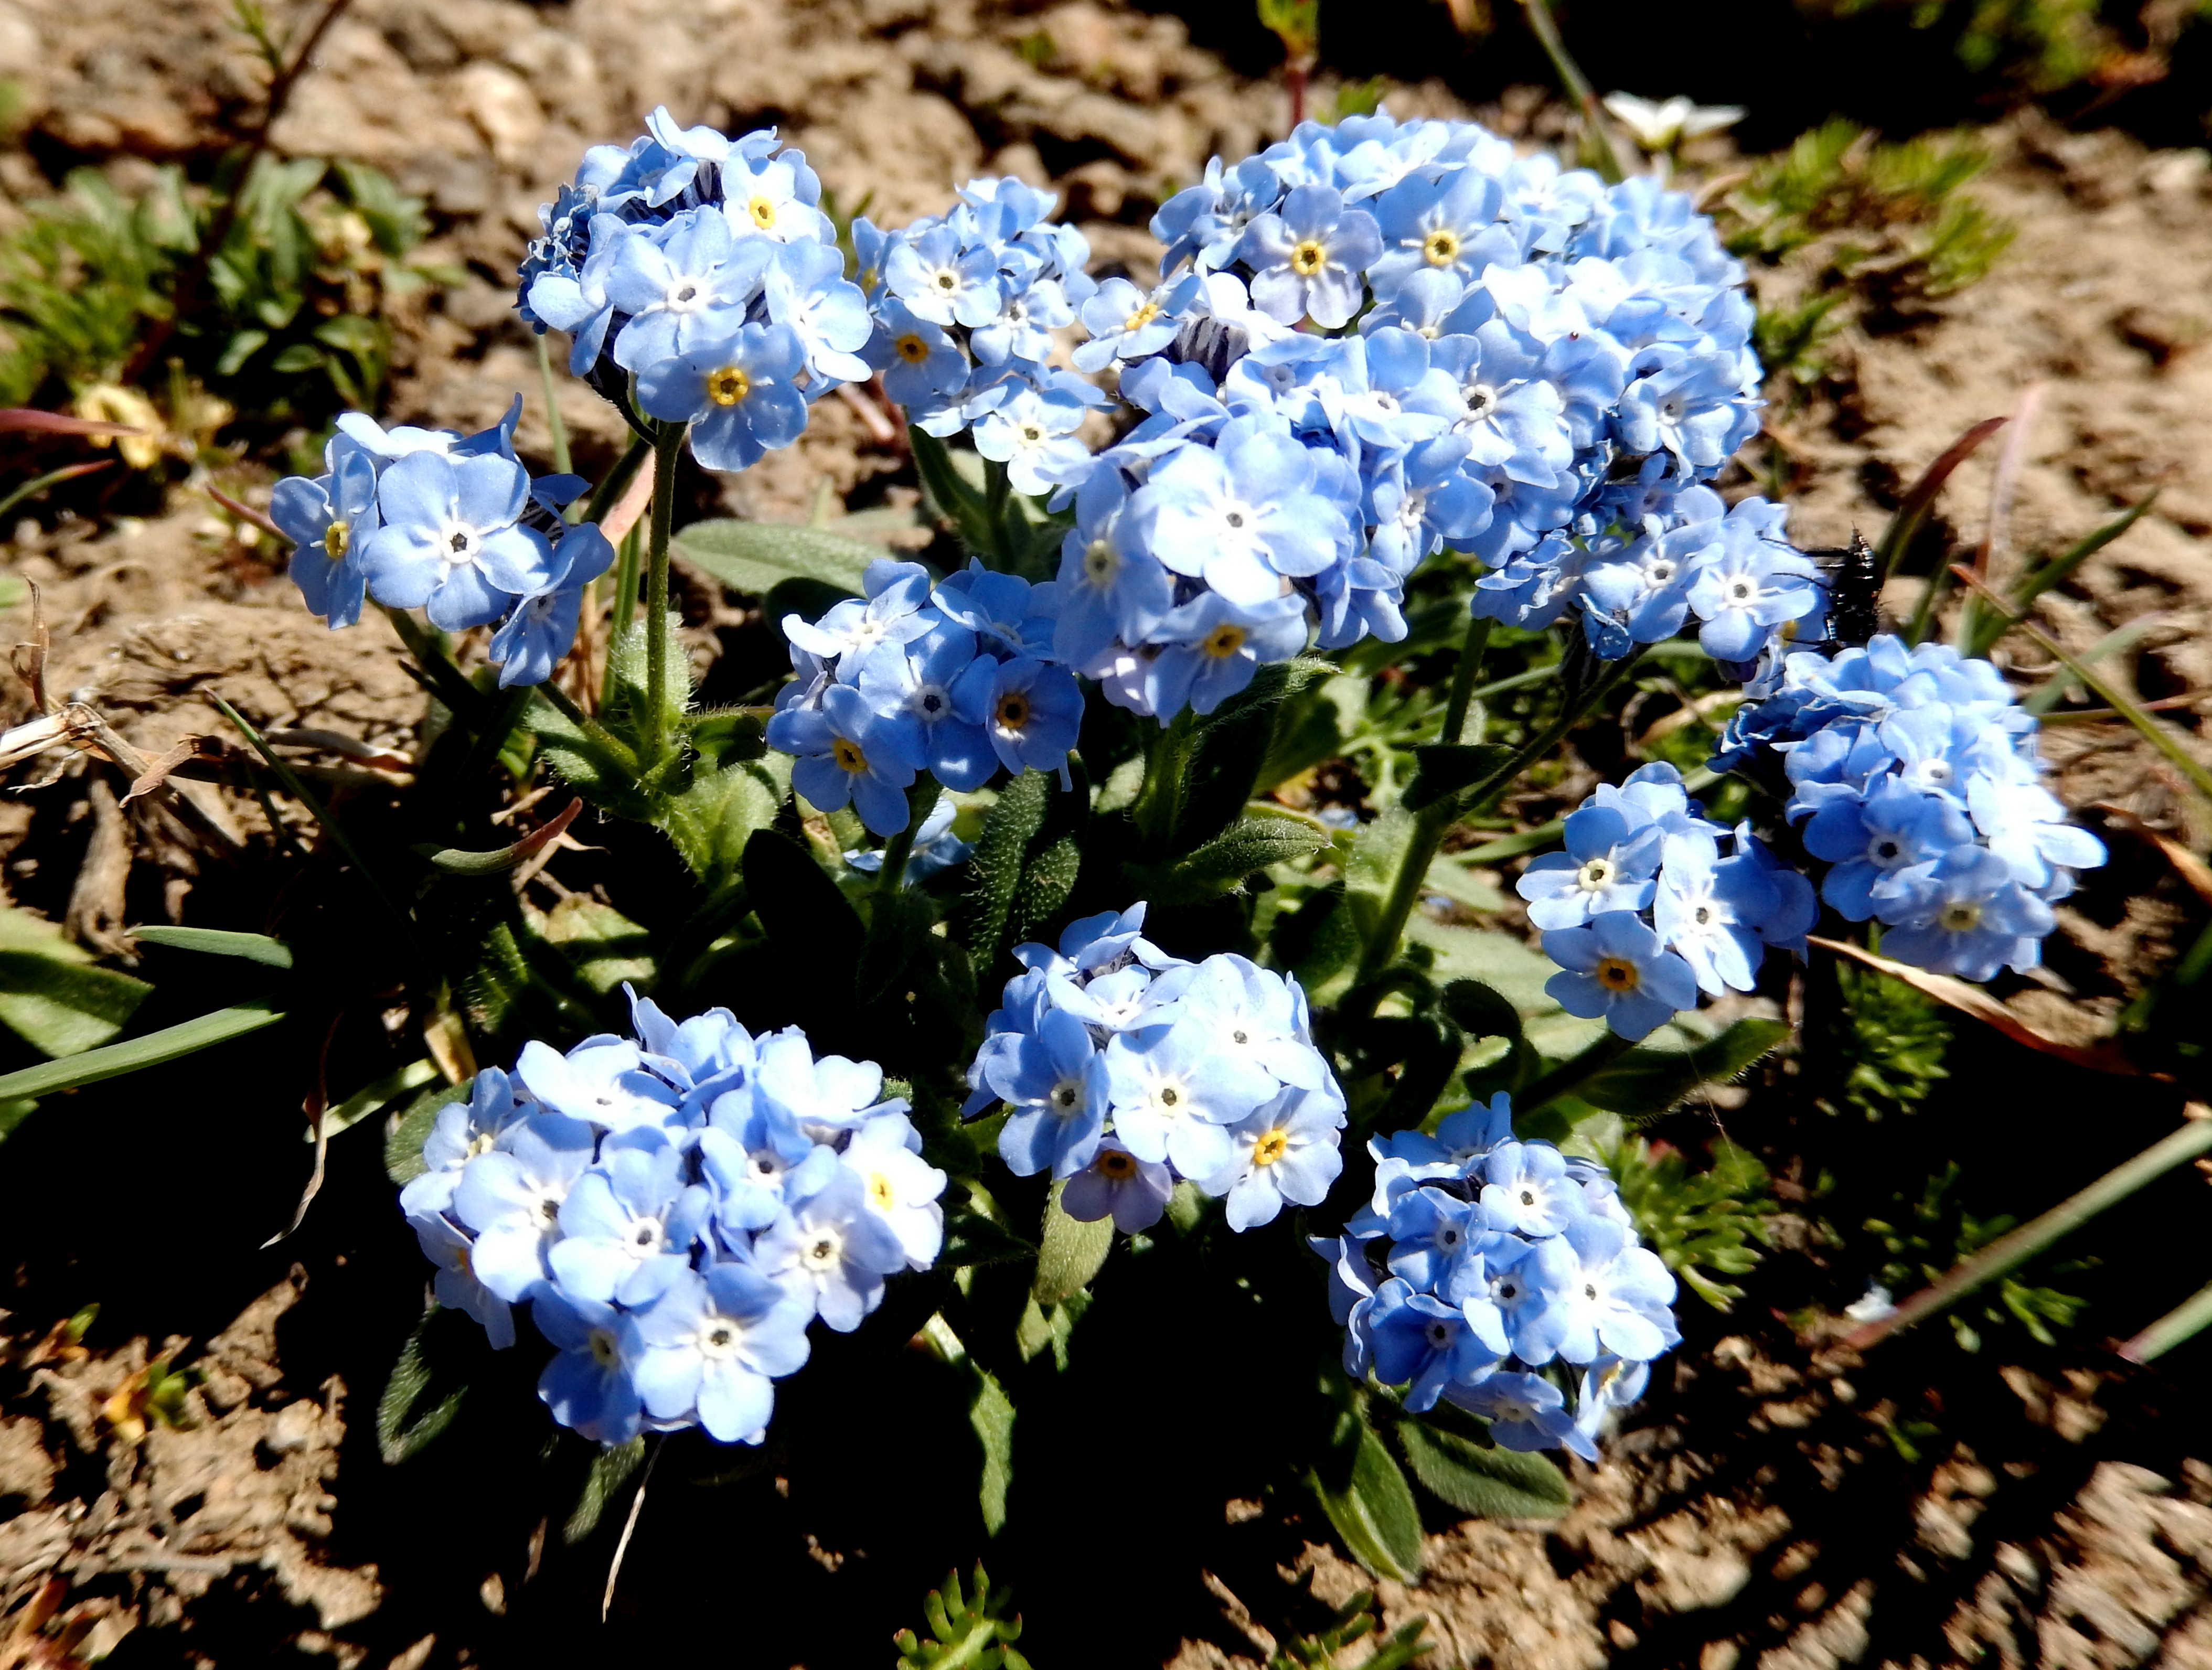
point(1286, 1150)
point(456, 1285)
point(941, 282)
point(687, 284)
point(756, 1160)
point(462, 1130)
point(451, 542)
point(588, 1387)
point(1253, 1015)
point(1526, 1411)
point(774, 198)
point(897, 1185)
point(710, 1345)
point(1053, 1084)
point(1008, 616)
point(806, 290)
point(1116, 1184)
point(1447, 225)
point(1603, 1295)
point(831, 1251)
point(1172, 1098)
point(1527, 1189)
point(603, 1080)
point(1966, 915)
point(1708, 914)
point(2024, 824)
point(1745, 588)
point(829, 1096)
point(1110, 589)
point(328, 519)
point(1615, 968)
point(920, 362)
point(1031, 432)
point(911, 686)
point(895, 607)
point(1690, 406)
point(1211, 647)
point(1205, 223)
point(1609, 864)
point(1307, 260)
point(1875, 841)
point(577, 301)
point(1420, 1339)
point(1433, 1234)
point(1241, 515)
point(1424, 502)
point(1030, 710)
point(1645, 586)
point(935, 847)
point(849, 754)
point(512, 1196)
point(1124, 323)
point(627, 1224)
point(532, 640)
point(736, 393)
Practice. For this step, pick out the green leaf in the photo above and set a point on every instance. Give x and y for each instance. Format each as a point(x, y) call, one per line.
point(968, 1632)
point(754, 557)
point(1646, 1081)
point(169, 1044)
point(605, 946)
point(991, 1414)
point(972, 1238)
point(402, 1143)
point(1369, 1502)
point(1449, 767)
point(62, 1007)
point(1229, 747)
point(956, 499)
point(1069, 1255)
point(407, 1416)
point(611, 1468)
point(1247, 846)
point(1479, 1011)
point(1496, 1483)
point(216, 942)
point(374, 1098)
point(995, 868)
point(711, 820)
point(14, 1112)
point(456, 861)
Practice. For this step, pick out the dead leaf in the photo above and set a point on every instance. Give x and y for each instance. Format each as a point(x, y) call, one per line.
point(157, 770)
point(1971, 1000)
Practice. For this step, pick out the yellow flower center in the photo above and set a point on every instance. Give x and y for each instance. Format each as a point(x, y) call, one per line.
point(1271, 1148)
point(881, 1192)
point(912, 349)
point(728, 386)
point(335, 539)
point(1013, 710)
point(1144, 316)
point(762, 210)
point(1115, 1164)
point(1440, 248)
point(1618, 974)
point(1961, 917)
point(847, 754)
point(1307, 258)
point(1224, 641)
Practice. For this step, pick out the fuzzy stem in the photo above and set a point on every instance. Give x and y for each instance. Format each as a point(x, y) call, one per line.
point(668, 442)
point(1573, 1073)
point(617, 751)
point(923, 799)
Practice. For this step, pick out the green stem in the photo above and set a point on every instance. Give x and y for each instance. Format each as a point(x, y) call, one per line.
point(616, 750)
point(997, 488)
point(2005, 1255)
point(922, 801)
point(1546, 28)
point(1462, 684)
point(607, 494)
point(2185, 1322)
point(1573, 1073)
point(1432, 823)
point(667, 445)
point(556, 428)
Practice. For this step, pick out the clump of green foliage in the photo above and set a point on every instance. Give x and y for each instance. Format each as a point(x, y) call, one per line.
point(290, 315)
point(965, 1630)
point(1355, 1620)
point(1701, 1224)
point(1892, 1044)
point(1927, 1236)
point(1887, 227)
point(2040, 46)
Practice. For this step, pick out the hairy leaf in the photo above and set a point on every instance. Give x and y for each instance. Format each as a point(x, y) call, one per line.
point(422, 1395)
point(1644, 1081)
point(1369, 1502)
point(1069, 1255)
point(1496, 1483)
point(1449, 767)
point(754, 557)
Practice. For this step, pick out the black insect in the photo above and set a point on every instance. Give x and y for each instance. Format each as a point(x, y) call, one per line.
point(1853, 577)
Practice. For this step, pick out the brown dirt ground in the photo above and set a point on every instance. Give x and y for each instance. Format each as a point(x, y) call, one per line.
point(1791, 1548)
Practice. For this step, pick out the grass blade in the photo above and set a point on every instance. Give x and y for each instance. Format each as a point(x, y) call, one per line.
point(2183, 1323)
point(217, 942)
point(169, 1044)
point(1912, 509)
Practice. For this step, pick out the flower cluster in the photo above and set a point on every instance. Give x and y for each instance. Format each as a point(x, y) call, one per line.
point(447, 523)
point(1916, 780)
point(697, 273)
point(674, 1209)
point(957, 680)
point(1123, 1070)
point(1380, 339)
point(1480, 1263)
point(1642, 913)
point(965, 306)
